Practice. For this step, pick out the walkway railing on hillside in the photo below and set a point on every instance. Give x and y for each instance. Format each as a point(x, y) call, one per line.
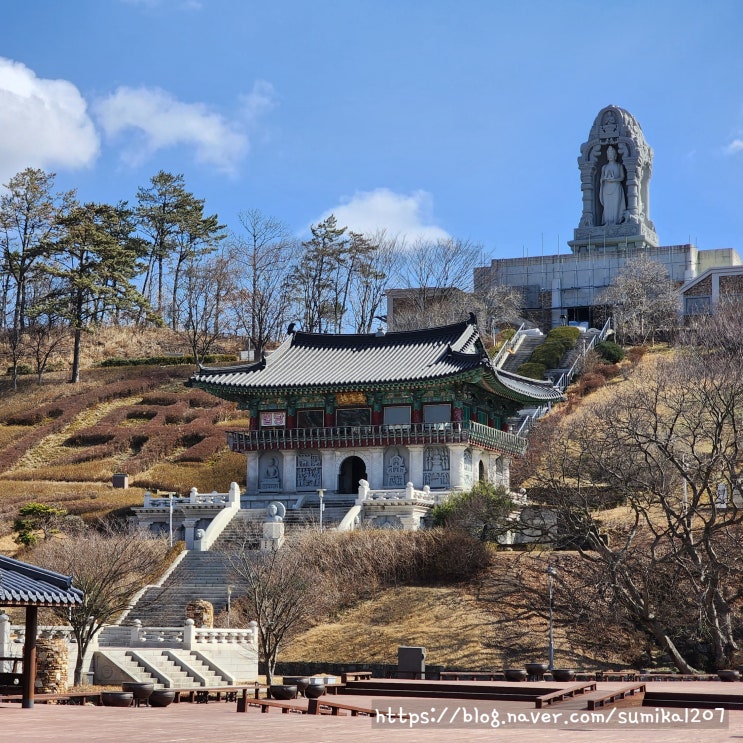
point(567, 377)
point(508, 347)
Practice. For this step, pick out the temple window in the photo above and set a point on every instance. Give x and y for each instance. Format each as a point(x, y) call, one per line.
point(353, 417)
point(438, 413)
point(310, 418)
point(397, 415)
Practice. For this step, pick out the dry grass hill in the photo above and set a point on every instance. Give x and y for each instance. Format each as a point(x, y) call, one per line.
point(61, 443)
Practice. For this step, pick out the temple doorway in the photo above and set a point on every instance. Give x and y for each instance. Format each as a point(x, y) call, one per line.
point(352, 470)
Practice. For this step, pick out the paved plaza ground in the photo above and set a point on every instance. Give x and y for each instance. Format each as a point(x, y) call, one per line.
point(219, 721)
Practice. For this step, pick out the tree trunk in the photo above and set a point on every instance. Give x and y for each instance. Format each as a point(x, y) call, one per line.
point(75, 376)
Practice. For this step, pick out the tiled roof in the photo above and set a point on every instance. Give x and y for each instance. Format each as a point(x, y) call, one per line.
point(22, 584)
point(324, 360)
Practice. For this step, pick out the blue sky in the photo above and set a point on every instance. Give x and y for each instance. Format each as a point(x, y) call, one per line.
point(427, 117)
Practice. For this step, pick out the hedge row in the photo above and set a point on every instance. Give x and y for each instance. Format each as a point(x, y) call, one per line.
point(217, 358)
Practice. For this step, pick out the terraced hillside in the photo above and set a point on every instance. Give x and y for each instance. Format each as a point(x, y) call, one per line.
point(61, 443)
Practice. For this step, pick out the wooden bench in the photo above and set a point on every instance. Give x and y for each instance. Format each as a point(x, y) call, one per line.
point(355, 676)
point(562, 694)
point(314, 707)
point(202, 694)
point(266, 705)
point(471, 676)
point(613, 696)
point(693, 699)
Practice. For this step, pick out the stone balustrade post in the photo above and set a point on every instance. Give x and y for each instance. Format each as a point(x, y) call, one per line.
point(136, 629)
point(409, 491)
point(193, 495)
point(4, 638)
point(189, 634)
point(253, 626)
point(234, 495)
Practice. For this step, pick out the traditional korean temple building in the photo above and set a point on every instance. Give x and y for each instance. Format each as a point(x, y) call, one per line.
point(423, 411)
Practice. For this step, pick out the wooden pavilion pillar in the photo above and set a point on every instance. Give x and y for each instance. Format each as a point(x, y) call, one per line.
point(29, 657)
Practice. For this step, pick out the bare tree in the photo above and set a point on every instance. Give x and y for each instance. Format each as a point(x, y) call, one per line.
point(643, 300)
point(207, 302)
point(281, 592)
point(373, 269)
point(668, 445)
point(263, 251)
point(109, 566)
point(437, 282)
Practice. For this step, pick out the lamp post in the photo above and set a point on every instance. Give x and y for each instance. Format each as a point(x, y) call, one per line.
point(551, 573)
point(229, 603)
point(170, 517)
point(320, 494)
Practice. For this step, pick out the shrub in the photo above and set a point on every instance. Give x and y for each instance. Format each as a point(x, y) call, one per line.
point(607, 371)
point(532, 370)
point(590, 383)
point(610, 351)
point(567, 333)
point(21, 369)
point(635, 353)
point(217, 358)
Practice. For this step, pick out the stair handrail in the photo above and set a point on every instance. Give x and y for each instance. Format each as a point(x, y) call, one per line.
point(530, 419)
point(510, 344)
point(567, 377)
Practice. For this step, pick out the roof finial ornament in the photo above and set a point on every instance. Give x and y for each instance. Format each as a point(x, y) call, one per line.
point(291, 327)
point(473, 319)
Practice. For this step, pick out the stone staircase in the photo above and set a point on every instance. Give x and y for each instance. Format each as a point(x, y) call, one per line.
point(200, 575)
point(513, 361)
point(167, 668)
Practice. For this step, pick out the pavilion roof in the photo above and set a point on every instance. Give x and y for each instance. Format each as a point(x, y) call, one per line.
point(314, 360)
point(22, 584)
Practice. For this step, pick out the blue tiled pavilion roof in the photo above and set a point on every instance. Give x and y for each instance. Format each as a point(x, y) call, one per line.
point(330, 361)
point(22, 584)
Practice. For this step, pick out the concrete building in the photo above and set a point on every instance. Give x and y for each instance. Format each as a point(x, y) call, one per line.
point(615, 165)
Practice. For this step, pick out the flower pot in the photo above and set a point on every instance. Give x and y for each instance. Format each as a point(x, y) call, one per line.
point(313, 691)
point(536, 671)
point(117, 698)
point(301, 682)
point(283, 691)
point(515, 674)
point(140, 690)
point(161, 697)
point(563, 674)
point(729, 674)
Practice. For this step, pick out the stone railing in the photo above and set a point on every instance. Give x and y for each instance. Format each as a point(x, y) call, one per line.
point(366, 494)
point(190, 637)
point(194, 498)
point(464, 432)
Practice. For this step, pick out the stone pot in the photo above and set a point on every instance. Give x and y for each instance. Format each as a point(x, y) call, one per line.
point(161, 697)
point(515, 674)
point(563, 674)
point(313, 691)
point(728, 674)
point(301, 682)
point(117, 698)
point(283, 691)
point(140, 690)
point(536, 671)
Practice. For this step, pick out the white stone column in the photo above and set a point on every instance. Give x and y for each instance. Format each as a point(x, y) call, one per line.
point(289, 471)
point(251, 472)
point(375, 468)
point(415, 466)
point(329, 470)
point(456, 467)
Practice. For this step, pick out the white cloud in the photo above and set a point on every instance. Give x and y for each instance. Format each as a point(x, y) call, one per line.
point(408, 216)
point(259, 101)
point(735, 147)
point(158, 120)
point(44, 123)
